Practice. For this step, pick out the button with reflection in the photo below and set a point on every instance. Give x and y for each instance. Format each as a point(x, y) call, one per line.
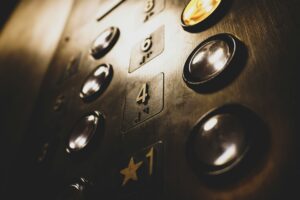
point(210, 59)
point(85, 132)
point(76, 191)
point(96, 82)
point(222, 139)
point(104, 42)
point(197, 11)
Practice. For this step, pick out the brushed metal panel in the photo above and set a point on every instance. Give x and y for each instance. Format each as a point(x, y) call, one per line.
point(267, 84)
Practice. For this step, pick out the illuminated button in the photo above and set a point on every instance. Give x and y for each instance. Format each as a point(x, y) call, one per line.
point(104, 42)
point(75, 191)
point(221, 139)
point(85, 132)
point(210, 59)
point(197, 11)
point(96, 82)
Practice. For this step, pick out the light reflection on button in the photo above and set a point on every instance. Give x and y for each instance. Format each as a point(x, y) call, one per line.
point(197, 11)
point(209, 59)
point(75, 191)
point(219, 141)
point(84, 132)
point(59, 103)
point(104, 42)
point(96, 82)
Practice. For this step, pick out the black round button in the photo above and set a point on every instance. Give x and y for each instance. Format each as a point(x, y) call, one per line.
point(210, 59)
point(75, 191)
point(104, 42)
point(85, 132)
point(222, 139)
point(96, 82)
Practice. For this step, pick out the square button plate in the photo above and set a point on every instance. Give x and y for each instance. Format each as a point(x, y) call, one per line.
point(147, 49)
point(143, 101)
point(152, 8)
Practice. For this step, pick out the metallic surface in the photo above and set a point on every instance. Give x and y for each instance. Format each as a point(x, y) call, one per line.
point(267, 83)
point(28, 40)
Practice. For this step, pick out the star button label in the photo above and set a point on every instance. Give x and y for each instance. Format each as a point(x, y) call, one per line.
point(130, 172)
point(140, 173)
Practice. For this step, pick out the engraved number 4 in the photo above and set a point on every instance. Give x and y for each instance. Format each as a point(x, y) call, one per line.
point(143, 94)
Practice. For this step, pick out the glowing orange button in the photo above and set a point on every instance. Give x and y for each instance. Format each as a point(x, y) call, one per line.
point(197, 11)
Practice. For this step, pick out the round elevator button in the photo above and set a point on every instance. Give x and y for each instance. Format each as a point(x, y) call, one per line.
point(96, 82)
point(222, 139)
point(197, 11)
point(104, 42)
point(85, 132)
point(75, 191)
point(210, 59)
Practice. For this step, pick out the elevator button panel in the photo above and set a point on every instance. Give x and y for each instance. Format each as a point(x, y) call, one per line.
point(144, 99)
point(147, 49)
point(216, 98)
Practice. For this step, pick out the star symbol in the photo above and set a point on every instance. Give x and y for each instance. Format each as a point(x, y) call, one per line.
point(130, 172)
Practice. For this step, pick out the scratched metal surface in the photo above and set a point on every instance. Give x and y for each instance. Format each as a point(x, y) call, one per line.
point(267, 84)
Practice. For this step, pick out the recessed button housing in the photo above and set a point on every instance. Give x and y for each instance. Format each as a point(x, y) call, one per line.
point(85, 132)
point(96, 82)
point(104, 42)
point(210, 59)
